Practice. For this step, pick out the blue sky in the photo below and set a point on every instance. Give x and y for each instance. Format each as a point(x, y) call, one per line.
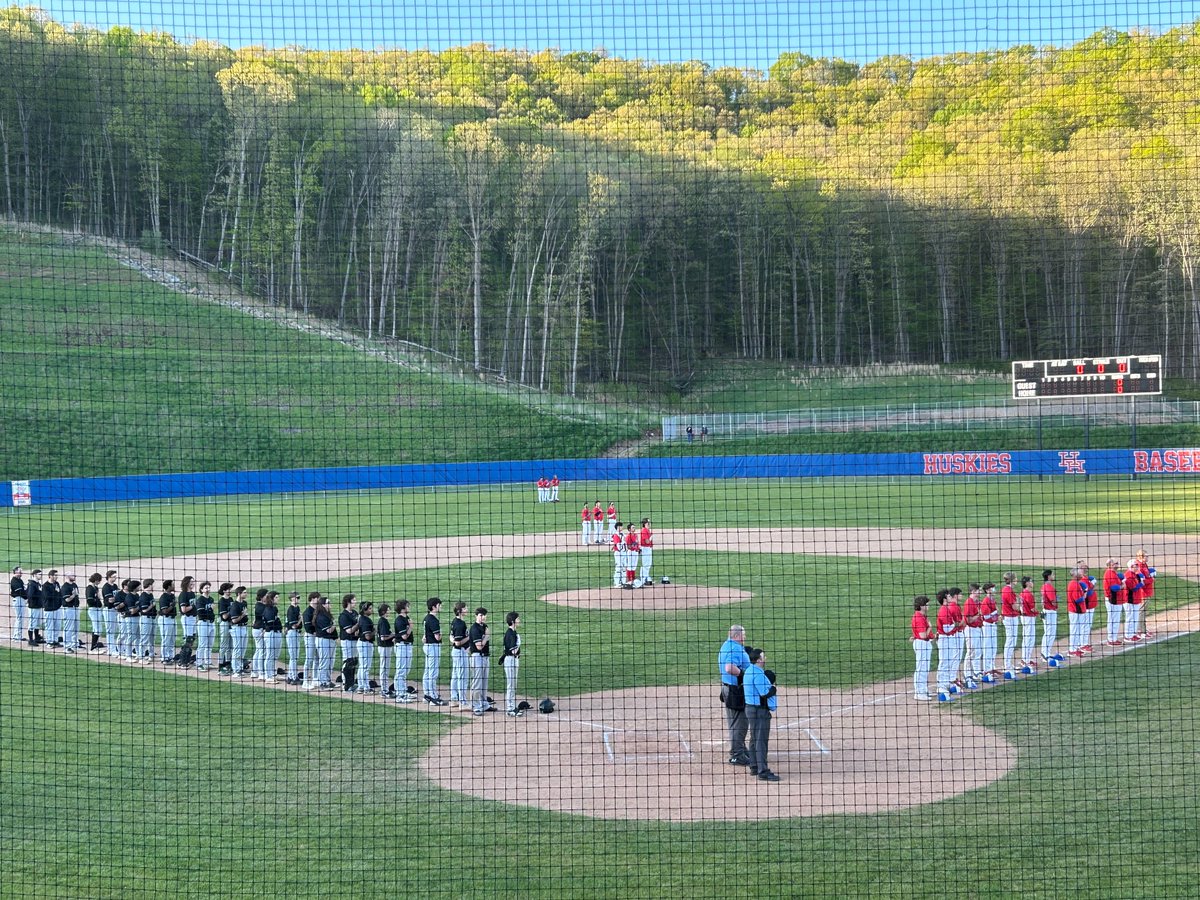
point(743, 33)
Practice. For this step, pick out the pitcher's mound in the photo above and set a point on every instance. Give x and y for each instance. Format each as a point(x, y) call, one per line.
point(662, 754)
point(655, 598)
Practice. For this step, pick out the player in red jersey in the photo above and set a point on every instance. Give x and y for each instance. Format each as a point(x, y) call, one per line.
point(541, 489)
point(618, 548)
point(973, 648)
point(631, 556)
point(1077, 612)
point(1136, 597)
point(1148, 572)
point(990, 614)
point(586, 518)
point(922, 644)
point(613, 525)
point(959, 638)
point(646, 541)
point(1114, 602)
point(945, 636)
point(1091, 601)
point(1010, 614)
point(1029, 617)
point(1049, 619)
point(597, 527)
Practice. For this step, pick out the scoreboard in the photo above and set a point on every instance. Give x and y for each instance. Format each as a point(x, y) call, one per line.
point(1106, 376)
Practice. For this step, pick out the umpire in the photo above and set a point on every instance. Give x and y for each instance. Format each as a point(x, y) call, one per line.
point(732, 661)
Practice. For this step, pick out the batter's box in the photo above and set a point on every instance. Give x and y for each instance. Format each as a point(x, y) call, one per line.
point(646, 746)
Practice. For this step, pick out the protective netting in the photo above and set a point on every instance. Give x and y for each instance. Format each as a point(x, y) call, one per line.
point(576, 450)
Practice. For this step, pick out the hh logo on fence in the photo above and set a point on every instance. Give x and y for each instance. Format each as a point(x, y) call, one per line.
point(1070, 463)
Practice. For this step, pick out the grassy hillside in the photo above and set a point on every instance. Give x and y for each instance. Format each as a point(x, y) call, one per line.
point(105, 372)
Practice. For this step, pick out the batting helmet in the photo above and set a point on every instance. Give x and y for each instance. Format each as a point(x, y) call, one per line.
point(546, 706)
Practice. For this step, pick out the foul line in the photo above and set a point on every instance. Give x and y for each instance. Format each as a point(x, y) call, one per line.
point(834, 712)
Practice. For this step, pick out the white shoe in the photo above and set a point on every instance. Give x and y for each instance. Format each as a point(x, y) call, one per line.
point(922, 697)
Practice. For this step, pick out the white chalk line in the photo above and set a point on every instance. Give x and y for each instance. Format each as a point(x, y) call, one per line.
point(839, 711)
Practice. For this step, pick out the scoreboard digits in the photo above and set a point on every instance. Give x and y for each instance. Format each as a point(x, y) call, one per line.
point(1106, 376)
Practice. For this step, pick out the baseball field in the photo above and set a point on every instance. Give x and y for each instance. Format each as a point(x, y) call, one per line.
point(144, 781)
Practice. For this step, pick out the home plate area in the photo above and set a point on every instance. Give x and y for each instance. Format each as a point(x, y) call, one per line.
point(663, 754)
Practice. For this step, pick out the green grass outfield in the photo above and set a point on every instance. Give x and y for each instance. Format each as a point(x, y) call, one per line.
point(77, 533)
point(131, 784)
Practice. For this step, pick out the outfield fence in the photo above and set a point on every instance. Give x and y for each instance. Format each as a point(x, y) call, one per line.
point(959, 415)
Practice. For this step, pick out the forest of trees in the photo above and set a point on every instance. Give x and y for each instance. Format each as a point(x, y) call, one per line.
point(568, 219)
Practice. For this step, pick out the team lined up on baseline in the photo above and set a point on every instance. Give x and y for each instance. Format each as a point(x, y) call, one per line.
point(129, 622)
point(966, 634)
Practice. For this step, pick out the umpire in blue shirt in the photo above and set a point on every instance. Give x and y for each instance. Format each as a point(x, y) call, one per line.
point(760, 703)
point(732, 662)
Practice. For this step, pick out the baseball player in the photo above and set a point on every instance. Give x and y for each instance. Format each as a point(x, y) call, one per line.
point(1114, 602)
point(239, 633)
point(293, 627)
point(166, 623)
point(972, 643)
point(225, 648)
point(922, 644)
point(618, 548)
point(631, 557)
point(585, 519)
point(543, 489)
point(111, 625)
point(52, 609)
point(272, 636)
point(1010, 614)
point(479, 647)
point(387, 648)
point(646, 541)
point(404, 653)
point(510, 661)
point(95, 608)
point(597, 519)
point(554, 489)
point(1148, 573)
point(326, 633)
point(990, 613)
point(205, 627)
point(1076, 613)
point(258, 665)
point(308, 623)
point(433, 652)
point(366, 646)
point(70, 615)
point(125, 603)
point(959, 645)
point(1135, 597)
point(348, 636)
point(187, 607)
point(1091, 601)
point(947, 666)
point(613, 524)
point(146, 626)
point(459, 653)
point(33, 602)
point(1029, 617)
point(1049, 619)
point(16, 593)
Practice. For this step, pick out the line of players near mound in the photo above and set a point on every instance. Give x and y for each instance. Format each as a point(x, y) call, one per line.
point(130, 622)
point(966, 637)
point(631, 548)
